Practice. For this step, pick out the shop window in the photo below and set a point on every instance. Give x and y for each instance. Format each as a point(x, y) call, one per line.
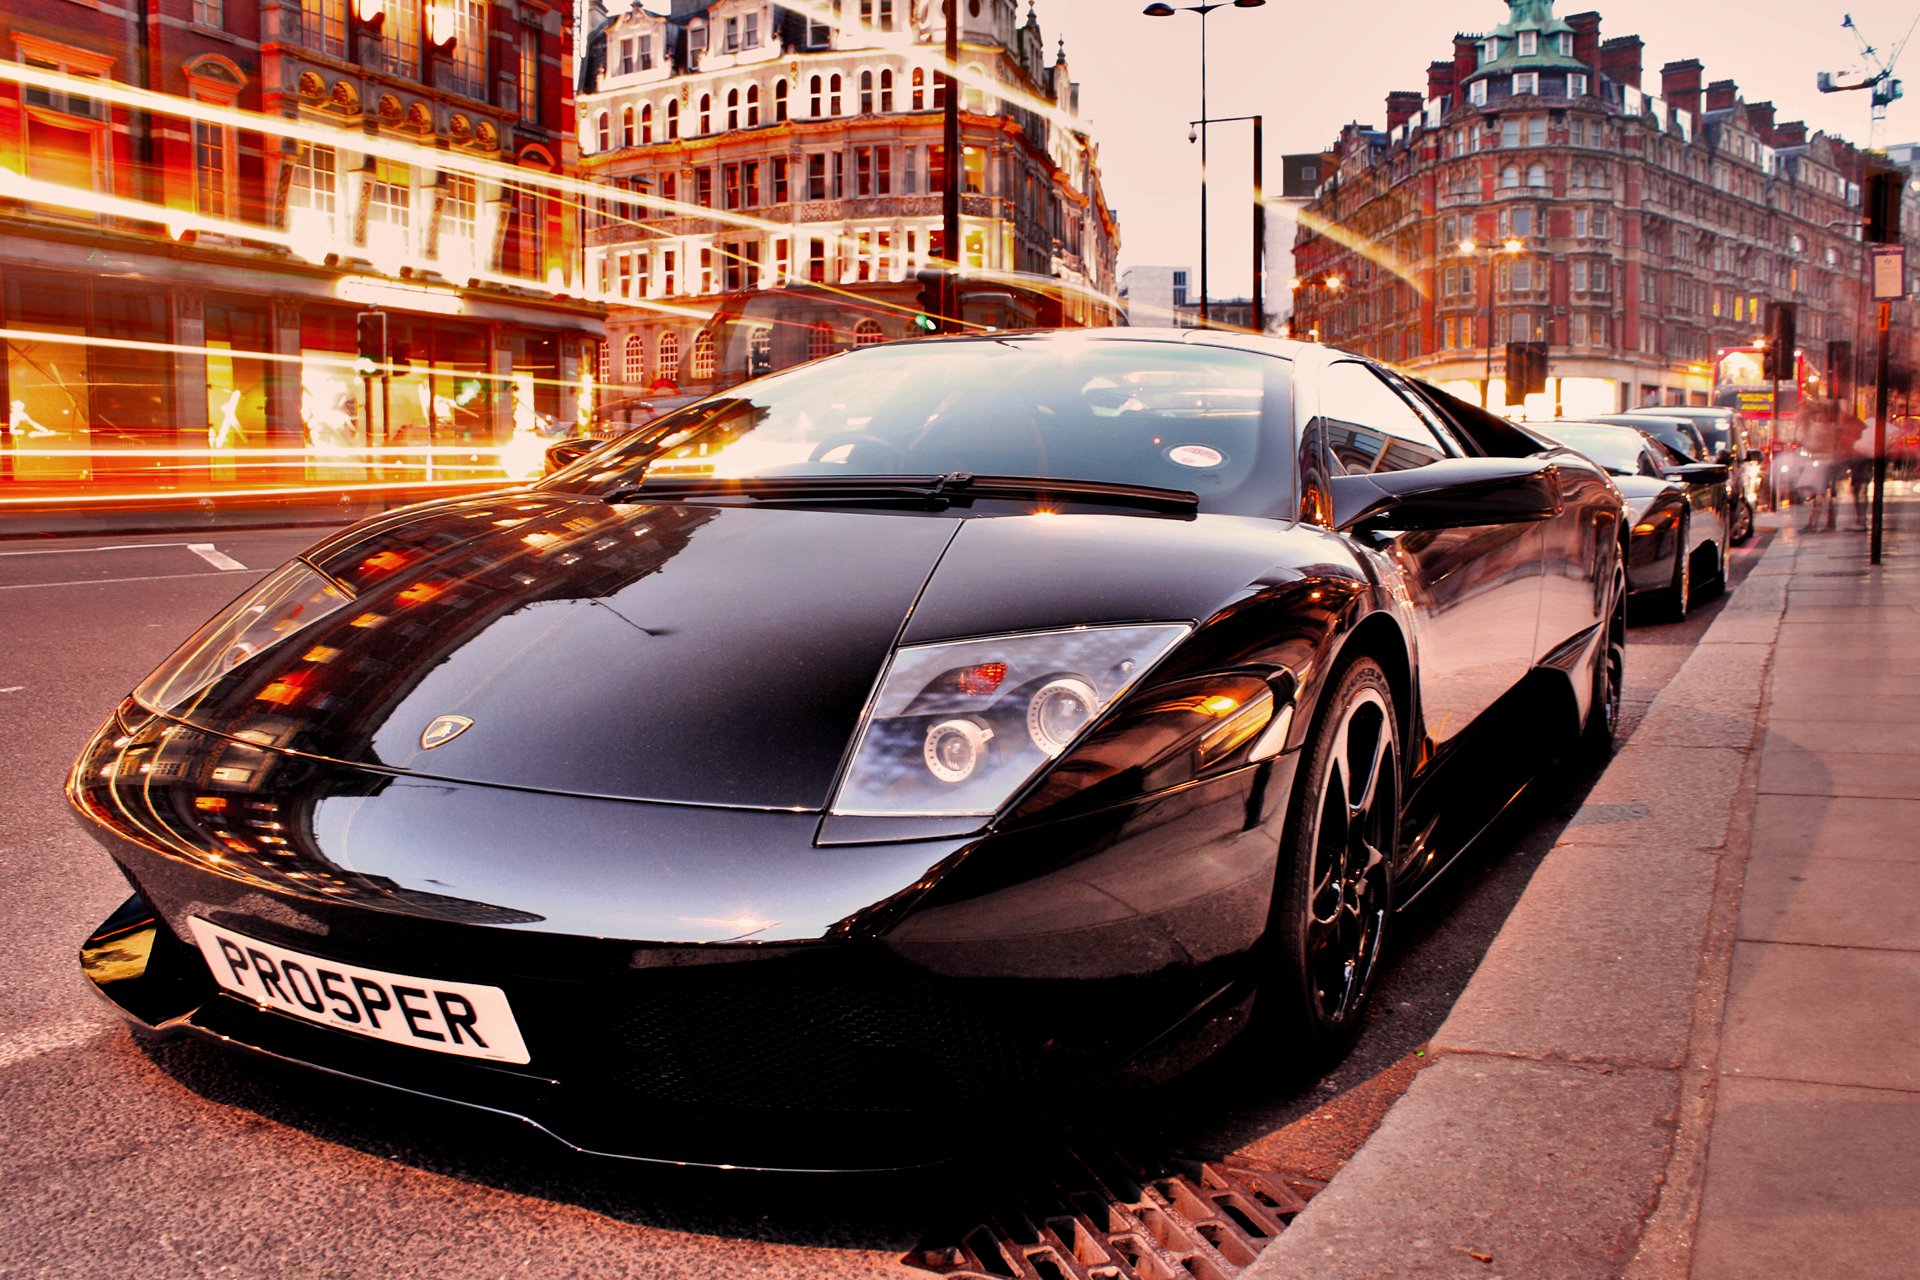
point(819, 340)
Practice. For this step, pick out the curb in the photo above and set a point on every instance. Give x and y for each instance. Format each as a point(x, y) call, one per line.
point(1560, 1128)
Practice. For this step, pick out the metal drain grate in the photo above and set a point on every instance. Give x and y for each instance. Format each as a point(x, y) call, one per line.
point(1110, 1219)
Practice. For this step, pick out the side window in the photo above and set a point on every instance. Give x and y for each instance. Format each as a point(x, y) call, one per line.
point(1369, 427)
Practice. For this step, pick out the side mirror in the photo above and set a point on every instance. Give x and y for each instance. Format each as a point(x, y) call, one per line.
point(1454, 493)
point(563, 452)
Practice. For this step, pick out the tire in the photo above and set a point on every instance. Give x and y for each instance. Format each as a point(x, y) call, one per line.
point(1742, 523)
point(1601, 730)
point(1334, 893)
point(1679, 596)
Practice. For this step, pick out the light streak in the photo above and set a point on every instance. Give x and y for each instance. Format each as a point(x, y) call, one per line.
point(1361, 245)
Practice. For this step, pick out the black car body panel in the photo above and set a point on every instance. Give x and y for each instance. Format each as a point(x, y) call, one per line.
point(586, 749)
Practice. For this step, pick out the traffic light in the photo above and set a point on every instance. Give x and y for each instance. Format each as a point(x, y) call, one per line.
point(370, 333)
point(932, 299)
point(1884, 189)
point(1526, 370)
point(1780, 343)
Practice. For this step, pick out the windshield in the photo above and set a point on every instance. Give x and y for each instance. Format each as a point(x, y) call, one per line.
point(1160, 414)
point(1615, 448)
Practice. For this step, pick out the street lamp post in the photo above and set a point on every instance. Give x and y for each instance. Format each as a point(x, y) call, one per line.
point(1468, 247)
point(1259, 319)
point(1160, 9)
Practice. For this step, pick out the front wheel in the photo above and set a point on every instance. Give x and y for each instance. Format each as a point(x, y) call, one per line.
point(1602, 726)
point(1335, 888)
point(1679, 595)
point(1742, 523)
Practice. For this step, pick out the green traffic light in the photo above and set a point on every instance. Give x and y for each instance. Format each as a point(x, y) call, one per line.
point(925, 323)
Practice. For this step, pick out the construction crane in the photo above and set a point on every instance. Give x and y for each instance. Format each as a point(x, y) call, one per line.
point(1876, 74)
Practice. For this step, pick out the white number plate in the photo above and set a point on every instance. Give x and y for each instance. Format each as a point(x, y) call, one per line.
point(425, 1013)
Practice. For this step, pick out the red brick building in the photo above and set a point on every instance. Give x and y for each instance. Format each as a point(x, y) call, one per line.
point(1637, 233)
point(188, 244)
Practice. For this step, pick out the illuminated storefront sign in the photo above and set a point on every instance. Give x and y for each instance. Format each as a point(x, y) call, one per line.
point(372, 291)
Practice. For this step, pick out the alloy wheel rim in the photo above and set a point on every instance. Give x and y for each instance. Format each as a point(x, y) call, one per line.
point(1347, 903)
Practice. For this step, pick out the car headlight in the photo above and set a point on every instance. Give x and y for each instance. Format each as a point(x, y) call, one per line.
point(957, 728)
point(290, 599)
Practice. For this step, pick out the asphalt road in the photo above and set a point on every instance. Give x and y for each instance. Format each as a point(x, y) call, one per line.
point(178, 1160)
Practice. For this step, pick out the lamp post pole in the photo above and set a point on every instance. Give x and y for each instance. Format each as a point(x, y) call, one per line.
point(1469, 248)
point(1259, 320)
point(1160, 9)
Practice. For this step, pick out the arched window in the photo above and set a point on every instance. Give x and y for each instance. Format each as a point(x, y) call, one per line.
point(866, 93)
point(1537, 175)
point(780, 100)
point(669, 357)
point(703, 357)
point(733, 110)
point(706, 114)
point(1577, 175)
point(602, 369)
point(760, 351)
point(673, 119)
point(636, 370)
point(814, 101)
point(868, 332)
point(1509, 177)
point(626, 127)
point(939, 93)
point(604, 128)
point(819, 340)
point(886, 91)
point(833, 95)
point(646, 124)
point(753, 106)
point(919, 82)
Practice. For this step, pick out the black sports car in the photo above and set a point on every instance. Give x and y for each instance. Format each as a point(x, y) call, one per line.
point(935, 727)
point(1678, 511)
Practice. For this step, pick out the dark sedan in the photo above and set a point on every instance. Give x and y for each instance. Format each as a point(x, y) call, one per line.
point(1677, 509)
point(936, 728)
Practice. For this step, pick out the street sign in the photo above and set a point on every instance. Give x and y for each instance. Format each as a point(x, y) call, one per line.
point(1889, 272)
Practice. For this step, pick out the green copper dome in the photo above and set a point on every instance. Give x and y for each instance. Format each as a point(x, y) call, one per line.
point(1536, 16)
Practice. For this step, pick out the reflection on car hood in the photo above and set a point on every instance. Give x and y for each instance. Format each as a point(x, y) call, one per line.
point(1640, 491)
point(716, 655)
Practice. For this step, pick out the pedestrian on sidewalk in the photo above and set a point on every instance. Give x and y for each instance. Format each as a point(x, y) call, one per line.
point(1818, 432)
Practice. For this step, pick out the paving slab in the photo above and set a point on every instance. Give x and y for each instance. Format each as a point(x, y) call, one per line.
point(1880, 738)
point(1792, 828)
point(1599, 961)
point(1788, 767)
point(1823, 1015)
point(1831, 902)
point(1810, 1180)
point(1489, 1168)
point(1801, 699)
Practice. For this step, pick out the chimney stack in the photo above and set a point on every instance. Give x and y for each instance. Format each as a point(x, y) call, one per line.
point(1466, 57)
point(1722, 94)
point(1586, 38)
point(1402, 106)
point(1620, 60)
point(1792, 133)
point(1760, 116)
point(1680, 85)
point(1441, 79)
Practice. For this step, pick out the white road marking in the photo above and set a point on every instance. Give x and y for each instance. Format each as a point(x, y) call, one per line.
point(97, 582)
point(13, 688)
point(35, 1042)
point(218, 559)
point(74, 551)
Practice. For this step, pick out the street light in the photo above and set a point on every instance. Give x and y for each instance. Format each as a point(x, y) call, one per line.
point(1160, 9)
point(1332, 284)
point(1468, 247)
point(1259, 324)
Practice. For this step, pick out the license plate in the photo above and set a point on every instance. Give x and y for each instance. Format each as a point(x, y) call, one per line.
point(461, 1018)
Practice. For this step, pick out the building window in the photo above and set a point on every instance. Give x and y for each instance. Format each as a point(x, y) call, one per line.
point(313, 200)
point(833, 95)
point(1477, 93)
point(1180, 288)
point(706, 115)
point(867, 333)
point(669, 357)
point(817, 176)
point(733, 108)
point(529, 73)
point(458, 244)
point(603, 131)
point(646, 53)
point(389, 206)
point(816, 260)
point(1565, 41)
point(626, 57)
point(780, 100)
point(703, 361)
point(209, 13)
point(753, 106)
point(751, 38)
point(815, 99)
point(530, 221)
point(465, 22)
point(866, 93)
point(886, 91)
point(1576, 86)
point(819, 340)
point(1536, 131)
point(646, 125)
point(732, 44)
point(918, 87)
point(781, 192)
point(673, 119)
point(1537, 175)
point(626, 126)
point(636, 370)
point(400, 41)
point(323, 26)
point(1529, 43)
point(1509, 178)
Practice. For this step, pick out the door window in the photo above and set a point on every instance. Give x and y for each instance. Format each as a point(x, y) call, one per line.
point(1369, 427)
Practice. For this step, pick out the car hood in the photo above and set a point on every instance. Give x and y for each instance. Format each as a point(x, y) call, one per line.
point(1640, 493)
point(695, 654)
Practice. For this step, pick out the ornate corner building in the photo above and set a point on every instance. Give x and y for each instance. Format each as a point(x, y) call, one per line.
point(774, 181)
point(200, 198)
point(1637, 235)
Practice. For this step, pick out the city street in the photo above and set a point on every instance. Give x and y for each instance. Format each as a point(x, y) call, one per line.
point(177, 1159)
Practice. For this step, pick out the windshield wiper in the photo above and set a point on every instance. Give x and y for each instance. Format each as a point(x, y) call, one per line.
point(936, 491)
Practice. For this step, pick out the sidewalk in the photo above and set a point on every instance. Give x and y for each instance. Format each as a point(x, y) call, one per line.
point(1693, 1052)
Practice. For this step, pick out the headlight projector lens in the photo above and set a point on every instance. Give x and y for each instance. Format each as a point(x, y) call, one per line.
point(1058, 711)
point(955, 749)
